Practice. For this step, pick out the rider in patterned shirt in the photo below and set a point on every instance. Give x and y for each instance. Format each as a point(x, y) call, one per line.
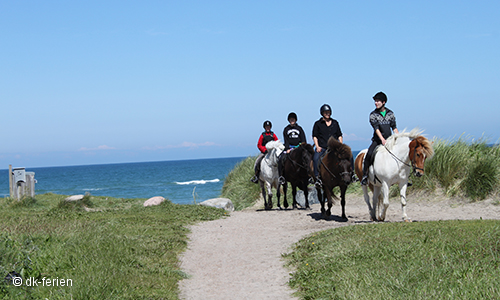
point(382, 120)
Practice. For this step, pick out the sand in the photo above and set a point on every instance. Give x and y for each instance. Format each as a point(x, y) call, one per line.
point(239, 257)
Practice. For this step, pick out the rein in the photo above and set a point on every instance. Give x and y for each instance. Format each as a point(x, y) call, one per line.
point(323, 164)
point(296, 163)
point(406, 164)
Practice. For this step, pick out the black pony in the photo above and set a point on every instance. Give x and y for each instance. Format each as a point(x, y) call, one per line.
point(335, 169)
point(298, 168)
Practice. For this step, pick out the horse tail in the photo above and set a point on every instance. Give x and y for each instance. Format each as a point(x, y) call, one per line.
point(358, 164)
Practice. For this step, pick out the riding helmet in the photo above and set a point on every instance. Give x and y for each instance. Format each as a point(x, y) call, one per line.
point(267, 123)
point(325, 107)
point(380, 96)
point(292, 115)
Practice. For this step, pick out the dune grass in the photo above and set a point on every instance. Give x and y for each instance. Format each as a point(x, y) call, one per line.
point(469, 169)
point(120, 250)
point(428, 260)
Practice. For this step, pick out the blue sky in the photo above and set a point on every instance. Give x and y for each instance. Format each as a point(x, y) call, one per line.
point(91, 82)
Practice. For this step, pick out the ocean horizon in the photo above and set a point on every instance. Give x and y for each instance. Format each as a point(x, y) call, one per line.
point(180, 181)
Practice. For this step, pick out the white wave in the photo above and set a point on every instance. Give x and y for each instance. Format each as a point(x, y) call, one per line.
point(197, 182)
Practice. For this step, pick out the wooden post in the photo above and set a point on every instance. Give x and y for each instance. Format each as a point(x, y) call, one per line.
point(10, 181)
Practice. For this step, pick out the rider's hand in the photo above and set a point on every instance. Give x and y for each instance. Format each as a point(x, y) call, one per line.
point(318, 149)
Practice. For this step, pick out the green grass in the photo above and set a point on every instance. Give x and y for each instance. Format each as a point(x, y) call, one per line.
point(121, 250)
point(238, 187)
point(428, 260)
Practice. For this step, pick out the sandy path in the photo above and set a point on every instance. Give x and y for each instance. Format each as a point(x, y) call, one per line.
point(239, 257)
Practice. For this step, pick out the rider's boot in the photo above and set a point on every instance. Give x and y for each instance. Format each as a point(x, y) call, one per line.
point(318, 182)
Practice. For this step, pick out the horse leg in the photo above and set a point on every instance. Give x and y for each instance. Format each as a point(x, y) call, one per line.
point(269, 196)
point(278, 195)
point(294, 196)
point(328, 195)
point(367, 200)
point(321, 200)
point(285, 201)
point(385, 194)
point(263, 194)
point(402, 194)
point(343, 189)
point(376, 194)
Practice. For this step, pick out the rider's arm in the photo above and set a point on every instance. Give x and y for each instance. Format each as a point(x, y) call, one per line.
point(380, 136)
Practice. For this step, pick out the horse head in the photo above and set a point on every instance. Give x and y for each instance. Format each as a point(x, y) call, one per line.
point(420, 150)
point(343, 154)
point(274, 149)
point(307, 154)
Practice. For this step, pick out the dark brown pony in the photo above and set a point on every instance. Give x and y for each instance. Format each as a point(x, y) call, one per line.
point(298, 169)
point(335, 169)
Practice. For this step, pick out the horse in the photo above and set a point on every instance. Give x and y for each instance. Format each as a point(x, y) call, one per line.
point(268, 177)
point(393, 164)
point(298, 169)
point(335, 169)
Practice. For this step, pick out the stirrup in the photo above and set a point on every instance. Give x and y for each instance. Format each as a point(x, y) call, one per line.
point(364, 181)
point(318, 183)
point(281, 180)
point(254, 179)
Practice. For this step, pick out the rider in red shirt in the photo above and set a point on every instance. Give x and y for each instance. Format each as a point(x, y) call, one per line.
point(264, 138)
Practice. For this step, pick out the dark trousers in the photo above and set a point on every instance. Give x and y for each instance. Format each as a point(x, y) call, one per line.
point(317, 156)
point(369, 157)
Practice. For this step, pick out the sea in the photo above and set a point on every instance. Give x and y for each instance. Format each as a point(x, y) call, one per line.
point(181, 181)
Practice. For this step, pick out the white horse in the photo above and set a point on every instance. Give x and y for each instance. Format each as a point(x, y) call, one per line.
point(393, 164)
point(268, 177)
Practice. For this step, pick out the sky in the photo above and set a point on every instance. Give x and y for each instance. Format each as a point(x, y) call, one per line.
point(98, 82)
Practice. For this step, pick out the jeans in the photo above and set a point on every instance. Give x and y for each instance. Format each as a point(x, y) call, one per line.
point(316, 158)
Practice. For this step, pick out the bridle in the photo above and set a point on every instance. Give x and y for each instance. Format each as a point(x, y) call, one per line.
point(296, 163)
point(333, 175)
point(412, 161)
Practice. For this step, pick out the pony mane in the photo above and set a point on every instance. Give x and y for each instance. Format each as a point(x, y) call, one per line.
point(343, 151)
point(414, 134)
point(307, 147)
point(275, 144)
point(426, 145)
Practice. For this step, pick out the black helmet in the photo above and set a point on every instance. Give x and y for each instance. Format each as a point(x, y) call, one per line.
point(380, 96)
point(325, 107)
point(267, 123)
point(292, 115)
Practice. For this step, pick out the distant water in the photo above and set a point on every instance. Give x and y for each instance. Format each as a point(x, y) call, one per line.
point(174, 180)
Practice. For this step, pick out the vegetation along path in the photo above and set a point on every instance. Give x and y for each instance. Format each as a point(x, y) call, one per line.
point(239, 257)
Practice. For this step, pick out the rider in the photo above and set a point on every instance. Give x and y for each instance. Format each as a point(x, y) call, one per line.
point(323, 129)
point(382, 120)
point(293, 136)
point(264, 138)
